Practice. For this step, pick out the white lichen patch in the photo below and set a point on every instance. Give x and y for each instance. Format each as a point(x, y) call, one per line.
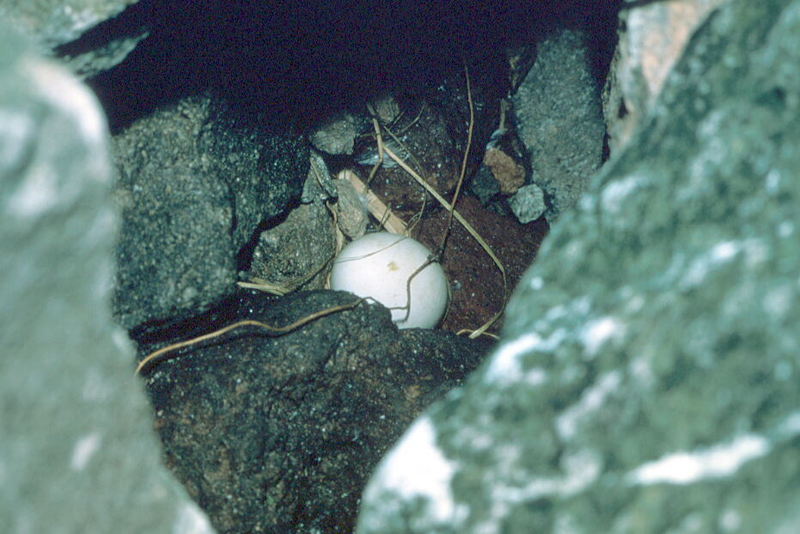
point(66, 94)
point(786, 229)
point(551, 343)
point(591, 401)
point(777, 302)
point(506, 366)
point(535, 376)
point(730, 520)
point(642, 372)
point(477, 434)
point(587, 202)
point(574, 251)
point(83, 451)
point(416, 467)
point(772, 181)
point(191, 520)
point(121, 341)
point(572, 312)
point(723, 251)
point(598, 332)
point(632, 298)
point(581, 469)
point(789, 428)
point(717, 255)
point(615, 194)
point(553, 314)
point(74, 111)
point(536, 283)
point(756, 252)
point(80, 19)
point(719, 461)
point(37, 193)
point(712, 154)
point(16, 129)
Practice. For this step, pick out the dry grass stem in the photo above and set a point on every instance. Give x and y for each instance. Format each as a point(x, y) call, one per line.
point(164, 353)
point(391, 222)
point(266, 286)
point(280, 290)
point(464, 161)
point(379, 140)
point(467, 226)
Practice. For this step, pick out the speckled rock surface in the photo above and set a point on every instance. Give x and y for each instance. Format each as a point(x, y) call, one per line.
point(89, 36)
point(652, 38)
point(55, 22)
point(77, 449)
point(298, 252)
point(647, 381)
point(433, 127)
point(559, 118)
point(278, 433)
point(195, 185)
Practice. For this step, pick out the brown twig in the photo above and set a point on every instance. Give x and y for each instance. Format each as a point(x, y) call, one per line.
point(163, 353)
point(379, 140)
point(375, 205)
point(467, 226)
point(464, 161)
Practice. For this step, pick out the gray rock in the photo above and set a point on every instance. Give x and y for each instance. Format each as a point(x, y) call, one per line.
point(527, 203)
point(647, 381)
point(319, 186)
point(91, 57)
point(89, 36)
point(337, 136)
point(296, 253)
point(77, 452)
point(56, 22)
point(652, 38)
point(484, 185)
point(194, 186)
point(559, 119)
point(279, 432)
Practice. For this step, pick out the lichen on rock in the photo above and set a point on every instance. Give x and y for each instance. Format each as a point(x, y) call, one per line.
point(646, 381)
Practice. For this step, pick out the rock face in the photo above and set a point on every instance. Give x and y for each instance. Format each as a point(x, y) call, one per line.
point(77, 452)
point(55, 22)
point(278, 432)
point(647, 381)
point(651, 39)
point(559, 118)
point(190, 205)
point(295, 253)
point(89, 35)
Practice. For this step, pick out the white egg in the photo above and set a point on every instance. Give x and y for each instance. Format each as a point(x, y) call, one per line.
point(379, 265)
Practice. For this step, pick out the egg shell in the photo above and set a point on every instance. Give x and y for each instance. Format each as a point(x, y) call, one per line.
point(379, 265)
